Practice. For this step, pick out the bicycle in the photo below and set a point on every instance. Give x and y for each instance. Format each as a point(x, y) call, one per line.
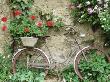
point(30, 57)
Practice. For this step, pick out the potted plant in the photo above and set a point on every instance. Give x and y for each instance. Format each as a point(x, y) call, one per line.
point(28, 26)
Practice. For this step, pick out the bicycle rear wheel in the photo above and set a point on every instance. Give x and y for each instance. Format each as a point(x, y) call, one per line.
point(30, 58)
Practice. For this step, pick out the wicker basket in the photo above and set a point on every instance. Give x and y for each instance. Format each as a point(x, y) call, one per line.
point(29, 41)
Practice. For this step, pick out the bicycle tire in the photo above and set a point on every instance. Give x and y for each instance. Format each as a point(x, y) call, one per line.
point(31, 65)
point(77, 59)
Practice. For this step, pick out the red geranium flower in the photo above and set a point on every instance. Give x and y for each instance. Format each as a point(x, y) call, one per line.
point(17, 12)
point(39, 24)
point(50, 23)
point(26, 29)
point(4, 28)
point(33, 17)
point(4, 19)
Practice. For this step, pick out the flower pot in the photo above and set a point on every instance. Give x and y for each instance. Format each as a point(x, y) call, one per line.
point(29, 41)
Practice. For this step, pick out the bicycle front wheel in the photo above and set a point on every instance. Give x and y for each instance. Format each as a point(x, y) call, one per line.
point(84, 55)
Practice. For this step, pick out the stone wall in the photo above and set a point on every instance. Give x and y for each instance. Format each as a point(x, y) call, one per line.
point(4, 11)
point(59, 47)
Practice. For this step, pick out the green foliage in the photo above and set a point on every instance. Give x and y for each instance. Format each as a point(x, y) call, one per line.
point(105, 24)
point(22, 5)
point(81, 13)
point(23, 75)
point(69, 74)
point(17, 27)
point(96, 69)
point(19, 23)
point(105, 20)
point(58, 24)
point(25, 25)
point(86, 11)
point(5, 64)
point(27, 76)
point(107, 39)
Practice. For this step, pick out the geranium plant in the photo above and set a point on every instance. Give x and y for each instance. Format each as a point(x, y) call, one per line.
point(25, 23)
point(27, 26)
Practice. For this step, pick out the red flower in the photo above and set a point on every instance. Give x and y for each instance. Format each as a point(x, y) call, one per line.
point(50, 23)
point(17, 12)
point(33, 17)
point(4, 28)
point(26, 29)
point(39, 24)
point(4, 19)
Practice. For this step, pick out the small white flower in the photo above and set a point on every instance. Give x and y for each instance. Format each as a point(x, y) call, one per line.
point(106, 44)
point(64, 80)
point(102, 25)
point(8, 56)
point(79, 21)
point(98, 0)
point(99, 9)
point(105, 5)
point(79, 6)
point(55, 19)
point(89, 74)
point(96, 7)
point(10, 76)
point(3, 57)
point(82, 16)
point(88, 3)
point(104, 19)
point(2, 22)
